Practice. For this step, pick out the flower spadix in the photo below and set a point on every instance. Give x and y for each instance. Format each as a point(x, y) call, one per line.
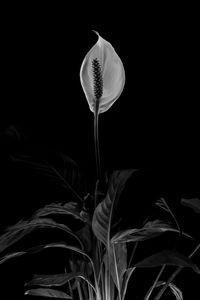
point(102, 76)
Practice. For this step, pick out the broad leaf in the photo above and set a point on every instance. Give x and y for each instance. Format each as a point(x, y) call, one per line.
point(102, 217)
point(52, 280)
point(175, 290)
point(118, 263)
point(48, 293)
point(167, 257)
point(15, 232)
point(67, 175)
point(193, 203)
point(148, 231)
point(69, 208)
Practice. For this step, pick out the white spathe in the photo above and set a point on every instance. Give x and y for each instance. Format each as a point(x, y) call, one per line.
point(112, 73)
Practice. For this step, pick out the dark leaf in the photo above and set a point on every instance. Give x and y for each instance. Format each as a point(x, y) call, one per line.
point(167, 257)
point(65, 246)
point(39, 248)
point(69, 208)
point(193, 203)
point(86, 237)
point(15, 232)
point(48, 293)
point(52, 280)
point(102, 217)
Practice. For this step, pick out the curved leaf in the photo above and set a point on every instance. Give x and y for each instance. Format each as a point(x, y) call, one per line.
point(15, 232)
point(48, 293)
point(163, 204)
point(52, 280)
point(175, 290)
point(167, 257)
point(69, 208)
point(12, 255)
point(193, 203)
point(57, 279)
point(148, 231)
point(102, 217)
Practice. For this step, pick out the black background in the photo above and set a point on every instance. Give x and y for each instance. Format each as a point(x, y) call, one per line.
point(153, 126)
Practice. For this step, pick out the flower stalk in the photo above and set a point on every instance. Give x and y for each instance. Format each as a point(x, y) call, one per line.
point(96, 143)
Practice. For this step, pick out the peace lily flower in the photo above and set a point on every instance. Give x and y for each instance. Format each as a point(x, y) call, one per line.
point(102, 76)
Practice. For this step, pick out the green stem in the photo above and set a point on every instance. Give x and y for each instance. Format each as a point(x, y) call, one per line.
point(176, 272)
point(96, 141)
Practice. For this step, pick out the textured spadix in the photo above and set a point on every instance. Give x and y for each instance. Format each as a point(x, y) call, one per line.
point(102, 76)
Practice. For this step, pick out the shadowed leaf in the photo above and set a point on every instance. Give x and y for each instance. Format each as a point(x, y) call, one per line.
point(85, 236)
point(52, 280)
point(69, 208)
point(102, 217)
point(193, 203)
point(80, 273)
point(57, 279)
point(167, 257)
point(48, 293)
point(15, 232)
point(149, 230)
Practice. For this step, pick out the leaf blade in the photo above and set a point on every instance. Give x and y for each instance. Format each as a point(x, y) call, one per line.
point(69, 208)
point(12, 255)
point(193, 203)
point(47, 293)
point(102, 217)
point(149, 230)
point(16, 232)
point(52, 280)
point(167, 257)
